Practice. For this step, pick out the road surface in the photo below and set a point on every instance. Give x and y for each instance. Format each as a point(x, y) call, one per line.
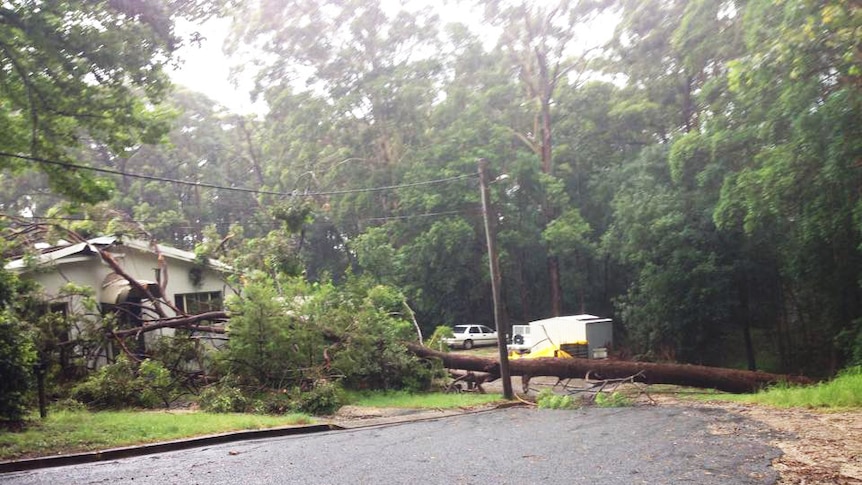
point(639, 445)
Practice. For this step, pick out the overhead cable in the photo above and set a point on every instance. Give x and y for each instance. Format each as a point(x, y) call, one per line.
point(234, 189)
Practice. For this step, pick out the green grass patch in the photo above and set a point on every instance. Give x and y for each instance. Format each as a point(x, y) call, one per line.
point(435, 400)
point(77, 431)
point(843, 392)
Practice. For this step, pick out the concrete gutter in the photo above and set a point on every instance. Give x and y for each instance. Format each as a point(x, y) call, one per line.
point(147, 449)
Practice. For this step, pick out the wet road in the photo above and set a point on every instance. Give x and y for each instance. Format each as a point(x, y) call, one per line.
point(649, 445)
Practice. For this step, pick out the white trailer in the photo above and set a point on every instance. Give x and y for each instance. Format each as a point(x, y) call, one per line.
point(586, 336)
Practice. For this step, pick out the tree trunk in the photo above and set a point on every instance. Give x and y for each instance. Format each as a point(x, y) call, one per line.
point(728, 380)
point(556, 287)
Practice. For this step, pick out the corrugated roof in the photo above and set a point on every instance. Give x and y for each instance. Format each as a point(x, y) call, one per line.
point(18, 265)
point(93, 245)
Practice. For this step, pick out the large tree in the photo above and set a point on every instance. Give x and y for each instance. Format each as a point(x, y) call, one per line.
point(79, 73)
point(540, 42)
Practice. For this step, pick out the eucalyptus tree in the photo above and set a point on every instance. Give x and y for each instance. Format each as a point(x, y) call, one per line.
point(758, 104)
point(681, 299)
point(540, 43)
point(600, 130)
point(350, 84)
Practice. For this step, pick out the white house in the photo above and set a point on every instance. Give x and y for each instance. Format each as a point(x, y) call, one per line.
point(192, 286)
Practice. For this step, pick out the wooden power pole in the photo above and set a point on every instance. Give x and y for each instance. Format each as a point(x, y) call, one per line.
point(495, 281)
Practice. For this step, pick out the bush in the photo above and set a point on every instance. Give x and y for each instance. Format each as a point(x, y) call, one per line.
point(69, 405)
point(277, 402)
point(325, 398)
point(156, 384)
point(355, 332)
point(17, 356)
point(222, 399)
point(122, 384)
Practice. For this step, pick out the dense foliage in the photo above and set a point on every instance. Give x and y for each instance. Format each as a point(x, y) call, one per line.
point(696, 176)
point(17, 356)
point(309, 334)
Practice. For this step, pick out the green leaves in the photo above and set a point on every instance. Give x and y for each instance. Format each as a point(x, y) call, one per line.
point(17, 356)
point(80, 74)
point(567, 234)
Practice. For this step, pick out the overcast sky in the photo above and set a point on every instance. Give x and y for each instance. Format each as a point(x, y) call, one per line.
point(206, 69)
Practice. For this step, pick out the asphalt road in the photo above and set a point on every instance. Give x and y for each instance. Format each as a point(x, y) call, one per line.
point(649, 445)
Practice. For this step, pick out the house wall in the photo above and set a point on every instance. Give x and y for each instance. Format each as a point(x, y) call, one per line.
point(143, 266)
point(90, 271)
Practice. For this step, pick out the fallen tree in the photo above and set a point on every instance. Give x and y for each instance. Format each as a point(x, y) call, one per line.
point(728, 380)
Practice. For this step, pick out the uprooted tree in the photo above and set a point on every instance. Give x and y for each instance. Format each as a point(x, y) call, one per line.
point(728, 380)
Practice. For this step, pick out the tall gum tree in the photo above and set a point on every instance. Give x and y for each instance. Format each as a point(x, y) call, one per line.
point(538, 41)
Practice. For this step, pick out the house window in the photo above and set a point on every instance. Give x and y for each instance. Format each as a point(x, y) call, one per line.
point(195, 303)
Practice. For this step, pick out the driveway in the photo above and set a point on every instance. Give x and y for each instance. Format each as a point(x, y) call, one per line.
point(647, 444)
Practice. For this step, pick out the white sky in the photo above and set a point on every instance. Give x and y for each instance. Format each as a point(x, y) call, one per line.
point(206, 69)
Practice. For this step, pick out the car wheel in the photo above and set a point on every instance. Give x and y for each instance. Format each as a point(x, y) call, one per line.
point(468, 344)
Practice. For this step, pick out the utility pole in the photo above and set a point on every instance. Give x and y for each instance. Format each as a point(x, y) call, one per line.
point(495, 282)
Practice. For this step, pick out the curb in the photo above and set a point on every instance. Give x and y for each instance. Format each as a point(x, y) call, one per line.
point(184, 444)
point(139, 450)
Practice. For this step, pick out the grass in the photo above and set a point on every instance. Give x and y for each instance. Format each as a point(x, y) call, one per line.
point(65, 432)
point(843, 392)
point(435, 400)
point(77, 431)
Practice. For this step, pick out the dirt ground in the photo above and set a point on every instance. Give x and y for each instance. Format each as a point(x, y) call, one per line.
point(818, 448)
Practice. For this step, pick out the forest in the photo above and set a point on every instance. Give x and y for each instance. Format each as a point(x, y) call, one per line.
point(695, 173)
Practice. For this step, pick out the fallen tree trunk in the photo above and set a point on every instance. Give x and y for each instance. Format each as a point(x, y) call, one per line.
point(728, 380)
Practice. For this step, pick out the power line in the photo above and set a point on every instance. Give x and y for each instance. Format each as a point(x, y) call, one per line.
point(234, 189)
point(175, 224)
point(427, 214)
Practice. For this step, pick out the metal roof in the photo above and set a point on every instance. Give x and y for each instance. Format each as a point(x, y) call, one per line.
point(59, 254)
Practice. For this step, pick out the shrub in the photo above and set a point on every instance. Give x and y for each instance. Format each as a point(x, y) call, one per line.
point(436, 340)
point(277, 402)
point(156, 384)
point(222, 399)
point(268, 342)
point(68, 404)
point(123, 384)
point(282, 339)
point(17, 356)
point(324, 398)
